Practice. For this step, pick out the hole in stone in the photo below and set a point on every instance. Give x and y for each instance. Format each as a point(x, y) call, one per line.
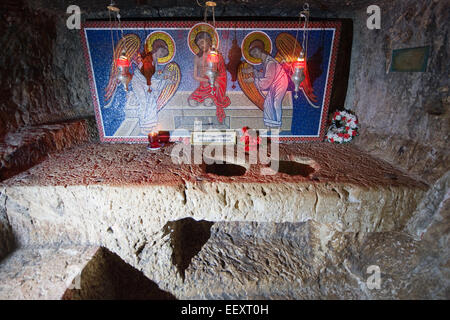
point(391, 176)
point(293, 168)
point(108, 277)
point(187, 237)
point(225, 169)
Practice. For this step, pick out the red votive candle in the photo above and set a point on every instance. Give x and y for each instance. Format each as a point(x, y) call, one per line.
point(153, 139)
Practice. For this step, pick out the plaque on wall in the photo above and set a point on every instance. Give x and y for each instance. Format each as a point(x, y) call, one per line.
point(410, 59)
point(152, 76)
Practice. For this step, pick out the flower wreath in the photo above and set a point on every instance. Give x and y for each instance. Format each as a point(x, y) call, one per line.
point(344, 126)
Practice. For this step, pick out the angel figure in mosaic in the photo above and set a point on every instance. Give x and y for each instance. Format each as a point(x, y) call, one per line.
point(264, 79)
point(155, 77)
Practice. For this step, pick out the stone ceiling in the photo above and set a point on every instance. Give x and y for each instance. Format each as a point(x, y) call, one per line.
point(88, 6)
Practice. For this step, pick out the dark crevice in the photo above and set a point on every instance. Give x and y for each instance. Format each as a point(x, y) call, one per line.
point(187, 237)
point(293, 168)
point(184, 196)
point(8, 241)
point(225, 169)
point(140, 249)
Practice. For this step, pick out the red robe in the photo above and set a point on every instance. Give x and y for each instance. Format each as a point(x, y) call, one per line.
point(218, 95)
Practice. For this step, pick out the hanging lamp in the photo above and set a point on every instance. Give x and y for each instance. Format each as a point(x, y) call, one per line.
point(299, 65)
point(211, 72)
point(122, 62)
point(213, 55)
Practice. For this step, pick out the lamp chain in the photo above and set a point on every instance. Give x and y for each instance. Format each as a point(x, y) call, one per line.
point(112, 40)
point(303, 14)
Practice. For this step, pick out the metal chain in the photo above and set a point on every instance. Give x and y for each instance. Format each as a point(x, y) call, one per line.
point(296, 36)
point(112, 40)
point(120, 28)
point(303, 14)
point(306, 10)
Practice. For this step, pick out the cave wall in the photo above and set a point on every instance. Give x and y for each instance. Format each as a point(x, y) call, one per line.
point(42, 69)
point(404, 115)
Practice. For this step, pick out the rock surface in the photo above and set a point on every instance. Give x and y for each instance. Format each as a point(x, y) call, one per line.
point(313, 261)
point(123, 192)
point(42, 272)
point(310, 261)
point(107, 277)
point(304, 236)
point(43, 77)
point(29, 145)
point(394, 107)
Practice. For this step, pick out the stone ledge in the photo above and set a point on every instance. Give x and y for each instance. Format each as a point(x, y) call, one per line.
point(426, 161)
point(121, 196)
point(41, 272)
point(30, 145)
point(73, 273)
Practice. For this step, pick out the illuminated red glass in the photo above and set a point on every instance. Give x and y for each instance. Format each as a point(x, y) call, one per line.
point(121, 62)
point(213, 57)
point(299, 64)
point(153, 139)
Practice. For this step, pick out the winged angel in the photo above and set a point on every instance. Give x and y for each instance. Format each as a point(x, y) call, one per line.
point(155, 78)
point(267, 86)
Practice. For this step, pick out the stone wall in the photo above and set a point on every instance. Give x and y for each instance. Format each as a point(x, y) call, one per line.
point(404, 115)
point(42, 70)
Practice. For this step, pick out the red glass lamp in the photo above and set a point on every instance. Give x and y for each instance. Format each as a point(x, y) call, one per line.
point(211, 72)
point(298, 76)
point(123, 73)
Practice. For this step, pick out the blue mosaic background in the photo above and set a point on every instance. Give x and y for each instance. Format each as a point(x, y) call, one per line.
point(306, 119)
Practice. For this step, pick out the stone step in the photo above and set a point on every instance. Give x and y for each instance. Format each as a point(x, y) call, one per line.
point(73, 273)
point(43, 273)
point(28, 146)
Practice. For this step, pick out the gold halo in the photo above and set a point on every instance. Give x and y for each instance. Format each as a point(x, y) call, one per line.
point(255, 35)
point(167, 38)
point(199, 27)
